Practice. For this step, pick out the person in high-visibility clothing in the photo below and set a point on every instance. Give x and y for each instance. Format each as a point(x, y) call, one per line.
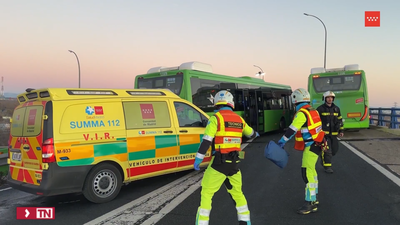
point(309, 138)
point(224, 134)
point(332, 125)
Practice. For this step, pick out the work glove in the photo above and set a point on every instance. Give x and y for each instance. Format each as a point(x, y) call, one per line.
point(257, 134)
point(281, 143)
point(197, 162)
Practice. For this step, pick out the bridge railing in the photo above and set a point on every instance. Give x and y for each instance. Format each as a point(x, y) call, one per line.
point(387, 117)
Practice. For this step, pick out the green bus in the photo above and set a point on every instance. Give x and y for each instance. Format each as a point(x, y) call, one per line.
point(264, 106)
point(350, 87)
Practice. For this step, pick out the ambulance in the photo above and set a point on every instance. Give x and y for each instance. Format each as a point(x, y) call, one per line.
point(91, 141)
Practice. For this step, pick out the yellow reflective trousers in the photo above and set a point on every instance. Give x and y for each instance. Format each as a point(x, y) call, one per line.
point(211, 183)
point(309, 173)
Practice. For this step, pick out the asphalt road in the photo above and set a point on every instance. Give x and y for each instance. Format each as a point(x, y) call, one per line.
point(356, 193)
point(75, 209)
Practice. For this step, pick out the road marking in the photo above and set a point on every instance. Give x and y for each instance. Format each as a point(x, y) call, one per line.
point(384, 171)
point(152, 207)
point(5, 189)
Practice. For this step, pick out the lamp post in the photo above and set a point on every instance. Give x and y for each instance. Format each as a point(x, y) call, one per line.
point(79, 67)
point(325, 36)
point(261, 73)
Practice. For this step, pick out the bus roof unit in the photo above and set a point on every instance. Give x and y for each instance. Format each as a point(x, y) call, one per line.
point(156, 69)
point(318, 70)
point(199, 66)
point(345, 68)
point(351, 67)
point(196, 66)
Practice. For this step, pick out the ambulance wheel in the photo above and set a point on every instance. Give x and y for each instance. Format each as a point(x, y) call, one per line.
point(282, 124)
point(103, 183)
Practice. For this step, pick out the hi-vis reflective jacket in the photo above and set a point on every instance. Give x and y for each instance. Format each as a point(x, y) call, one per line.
point(314, 127)
point(229, 131)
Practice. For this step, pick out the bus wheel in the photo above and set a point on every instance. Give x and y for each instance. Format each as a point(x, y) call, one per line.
point(102, 184)
point(282, 124)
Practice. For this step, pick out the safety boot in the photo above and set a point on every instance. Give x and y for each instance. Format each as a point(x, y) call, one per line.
point(328, 169)
point(244, 223)
point(316, 202)
point(307, 208)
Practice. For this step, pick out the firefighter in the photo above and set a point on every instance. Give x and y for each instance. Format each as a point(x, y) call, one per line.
point(332, 125)
point(309, 138)
point(224, 134)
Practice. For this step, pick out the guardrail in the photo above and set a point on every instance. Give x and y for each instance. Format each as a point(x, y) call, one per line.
point(385, 115)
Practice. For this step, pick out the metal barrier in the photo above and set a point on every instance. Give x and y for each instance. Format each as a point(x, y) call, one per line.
point(382, 115)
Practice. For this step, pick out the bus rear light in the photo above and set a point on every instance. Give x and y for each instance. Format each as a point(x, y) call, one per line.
point(354, 114)
point(48, 155)
point(365, 113)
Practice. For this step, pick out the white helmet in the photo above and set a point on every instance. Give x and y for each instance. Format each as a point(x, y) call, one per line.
point(328, 94)
point(224, 98)
point(300, 95)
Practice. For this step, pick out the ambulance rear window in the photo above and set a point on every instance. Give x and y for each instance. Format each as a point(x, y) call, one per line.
point(27, 121)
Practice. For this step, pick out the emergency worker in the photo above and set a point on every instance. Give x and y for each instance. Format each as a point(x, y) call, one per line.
point(224, 134)
point(309, 138)
point(332, 125)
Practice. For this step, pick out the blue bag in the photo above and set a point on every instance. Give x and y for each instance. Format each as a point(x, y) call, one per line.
point(276, 154)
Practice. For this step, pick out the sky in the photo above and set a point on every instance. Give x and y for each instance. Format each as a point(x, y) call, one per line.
point(117, 40)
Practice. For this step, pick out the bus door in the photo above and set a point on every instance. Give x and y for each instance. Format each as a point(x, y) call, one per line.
point(253, 112)
point(246, 106)
point(260, 111)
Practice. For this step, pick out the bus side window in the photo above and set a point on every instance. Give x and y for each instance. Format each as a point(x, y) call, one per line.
point(239, 100)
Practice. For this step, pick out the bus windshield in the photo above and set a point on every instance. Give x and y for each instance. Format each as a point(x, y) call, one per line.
point(337, 83)
point(173, 83)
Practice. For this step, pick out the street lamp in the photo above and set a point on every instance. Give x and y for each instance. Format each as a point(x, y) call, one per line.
point(260, 73)
point(325, 36)
point(79, 67)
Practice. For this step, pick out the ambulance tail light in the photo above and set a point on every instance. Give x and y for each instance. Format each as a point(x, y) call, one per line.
point(48, 155)
point(365, 113)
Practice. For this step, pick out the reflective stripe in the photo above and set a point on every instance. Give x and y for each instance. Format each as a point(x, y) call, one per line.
point(329, 114)
point(312, 185)
point(204, 212)
point(293, 127)
point(285, 138)
point(332, 133)
point(304, 130)
point(200, 156)
point(244, 217)
point(202, 222)
point(208, 138)
point(339, 117)
point(242, 209)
